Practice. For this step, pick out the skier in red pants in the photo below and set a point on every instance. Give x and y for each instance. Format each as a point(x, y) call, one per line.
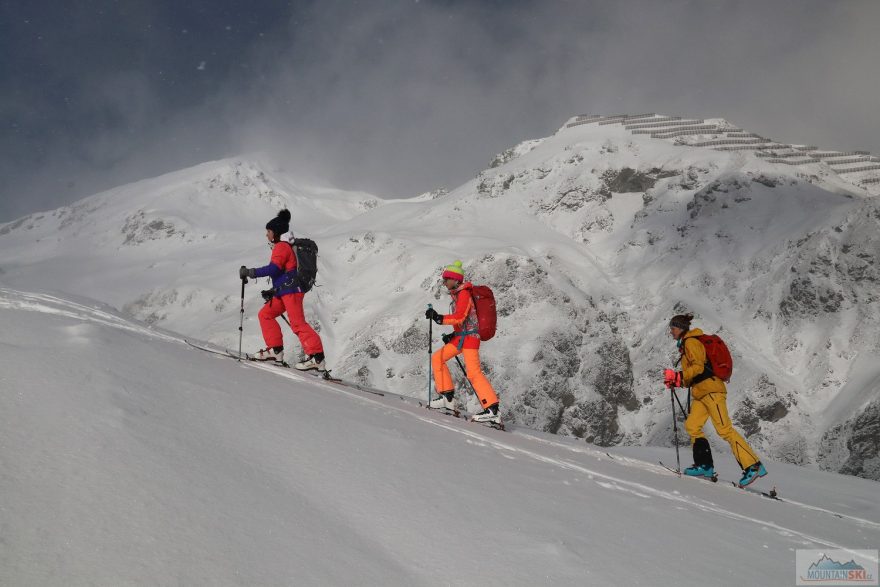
point(287, 298)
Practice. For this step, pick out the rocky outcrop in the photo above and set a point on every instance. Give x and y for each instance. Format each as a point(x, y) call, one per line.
point(860, 436)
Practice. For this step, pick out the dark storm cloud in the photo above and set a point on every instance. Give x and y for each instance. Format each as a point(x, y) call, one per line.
point(402, 97)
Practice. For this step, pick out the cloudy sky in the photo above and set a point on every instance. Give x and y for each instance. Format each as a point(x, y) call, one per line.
point(400, 97)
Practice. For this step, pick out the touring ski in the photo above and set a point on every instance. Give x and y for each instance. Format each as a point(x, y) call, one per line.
point(446, 411)
point(464, 416)
point(323, 375)
point(772, 494)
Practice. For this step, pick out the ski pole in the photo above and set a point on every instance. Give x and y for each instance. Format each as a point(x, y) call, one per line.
point(675, 429)
point(430, 351)
point(241, 323)
point(471, 385)
point(684, 413)
point(688, 411)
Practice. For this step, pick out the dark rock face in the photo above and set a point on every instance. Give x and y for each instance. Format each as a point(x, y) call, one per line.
point(372, 350)
point(552, 386)
point(614, 379)
point(770, 182)
point(717, 196)
point(363, 375)
point(139, 229)
point(629, 180)
point(495, 186)
point(594, 421)
point(502, 158)
point(834, 269)
point(864, 444)
point(412, 340)
point(746, 419)
point(580, 387)
point(807, 298)
point(772, 412)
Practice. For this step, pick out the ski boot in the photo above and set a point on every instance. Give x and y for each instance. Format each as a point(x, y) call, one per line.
point(490, 415)
point(707, 471)
point(751, 474)
point(446, 401)
point(315, 361)
point(275, 354)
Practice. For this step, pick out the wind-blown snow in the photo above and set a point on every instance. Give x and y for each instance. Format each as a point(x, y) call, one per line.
point(129, 457)
point(591, 239)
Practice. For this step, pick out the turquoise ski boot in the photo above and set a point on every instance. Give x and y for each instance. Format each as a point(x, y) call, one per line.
point(751, 474)
point(707, 471)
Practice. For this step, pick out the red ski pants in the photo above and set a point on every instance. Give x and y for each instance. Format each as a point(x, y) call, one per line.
point(293, 305)
point(443, 379)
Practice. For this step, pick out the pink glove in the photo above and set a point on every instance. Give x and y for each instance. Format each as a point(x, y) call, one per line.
point(672, 378)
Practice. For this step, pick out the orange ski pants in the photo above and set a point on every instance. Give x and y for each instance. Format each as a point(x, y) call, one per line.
point(443, 379)
point(292, 303)
point(714, 406)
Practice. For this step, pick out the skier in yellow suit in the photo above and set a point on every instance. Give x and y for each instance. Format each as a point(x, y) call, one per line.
point(709, 395)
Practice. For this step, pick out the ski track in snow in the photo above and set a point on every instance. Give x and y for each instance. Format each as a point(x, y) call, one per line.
point(50, 304)
point(648, 466)
point(609, 481)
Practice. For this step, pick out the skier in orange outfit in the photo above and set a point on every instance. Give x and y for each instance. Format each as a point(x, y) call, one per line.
point(464, 340)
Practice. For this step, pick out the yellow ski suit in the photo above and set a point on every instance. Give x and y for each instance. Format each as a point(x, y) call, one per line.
point(709, 400)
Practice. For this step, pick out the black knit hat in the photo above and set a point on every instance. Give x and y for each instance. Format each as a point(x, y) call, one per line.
point(280, 224)
point(682, 321)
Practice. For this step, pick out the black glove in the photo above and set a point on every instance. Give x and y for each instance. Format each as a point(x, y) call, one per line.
point(244, 272)
point(431, 314)
point(268, 294)
point(447, 337)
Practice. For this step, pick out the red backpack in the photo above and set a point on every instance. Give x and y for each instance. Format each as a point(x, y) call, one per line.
point(719, 363)
point(484, 301)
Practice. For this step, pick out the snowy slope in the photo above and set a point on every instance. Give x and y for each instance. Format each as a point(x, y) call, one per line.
point(591, 238)
point(130, 458)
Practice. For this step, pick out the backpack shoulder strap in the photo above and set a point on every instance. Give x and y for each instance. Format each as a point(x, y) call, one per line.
point(707, 365)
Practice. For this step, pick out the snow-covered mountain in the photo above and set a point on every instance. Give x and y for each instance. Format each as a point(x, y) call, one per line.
point(591, 238)
point(130, 458)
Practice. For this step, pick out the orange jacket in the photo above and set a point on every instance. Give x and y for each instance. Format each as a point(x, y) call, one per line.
point(463, 318)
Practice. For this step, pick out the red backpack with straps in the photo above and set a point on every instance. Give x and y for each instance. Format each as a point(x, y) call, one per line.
point(484, 302)
point(718, 359)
